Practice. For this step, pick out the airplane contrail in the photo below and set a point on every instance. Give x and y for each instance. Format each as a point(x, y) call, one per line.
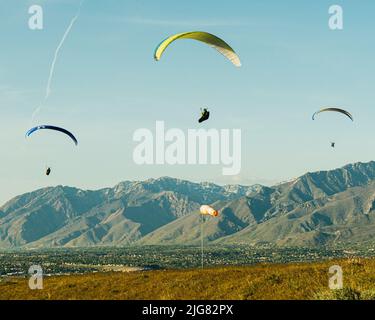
point(55, 57)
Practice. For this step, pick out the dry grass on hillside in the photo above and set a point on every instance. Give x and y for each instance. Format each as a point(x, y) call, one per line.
point(290, 281)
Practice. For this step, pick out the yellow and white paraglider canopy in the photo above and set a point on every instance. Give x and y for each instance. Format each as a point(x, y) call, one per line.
point(207, 38)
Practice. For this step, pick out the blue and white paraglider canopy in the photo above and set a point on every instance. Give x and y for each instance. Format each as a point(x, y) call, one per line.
point(49, 127)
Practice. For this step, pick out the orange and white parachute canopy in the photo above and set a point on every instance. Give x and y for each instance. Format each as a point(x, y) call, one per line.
point(207, 210)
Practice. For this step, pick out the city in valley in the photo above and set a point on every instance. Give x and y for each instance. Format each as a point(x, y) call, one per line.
point(66, 261)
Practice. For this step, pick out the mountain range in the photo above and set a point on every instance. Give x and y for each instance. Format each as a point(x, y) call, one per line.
point(317, 209)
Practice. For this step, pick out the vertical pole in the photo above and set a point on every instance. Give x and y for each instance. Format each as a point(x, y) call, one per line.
point(202, 221)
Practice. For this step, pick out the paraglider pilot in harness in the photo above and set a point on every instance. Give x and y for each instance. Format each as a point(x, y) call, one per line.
point(205, 114)
point(48, 171)
point(333, 144)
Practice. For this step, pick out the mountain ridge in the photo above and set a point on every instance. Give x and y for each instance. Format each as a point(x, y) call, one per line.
point(317, 208)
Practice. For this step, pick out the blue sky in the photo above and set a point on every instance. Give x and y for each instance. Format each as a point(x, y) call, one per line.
point(106, 85)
